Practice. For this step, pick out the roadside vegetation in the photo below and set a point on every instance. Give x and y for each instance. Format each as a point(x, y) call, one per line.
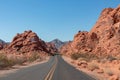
point(33, 57)
point(5, 62)
point(104, 67)
point(84, 56)
point(90, 57)
point(9, 60)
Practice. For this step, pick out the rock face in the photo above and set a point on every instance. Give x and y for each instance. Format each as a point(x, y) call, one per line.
point(82, 42)
point(66, 49)
point(58, 43)
point(104, 37)
point(51, 47)
point(27, 42)
point(108, 30)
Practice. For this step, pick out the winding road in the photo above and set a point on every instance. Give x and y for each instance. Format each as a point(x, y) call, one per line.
point(55, 69)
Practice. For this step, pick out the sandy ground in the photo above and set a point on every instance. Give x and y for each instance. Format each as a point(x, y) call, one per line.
point(106, 71)
point(18, 67)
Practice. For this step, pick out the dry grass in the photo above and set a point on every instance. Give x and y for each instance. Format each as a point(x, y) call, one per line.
point(33, 57)
point(92, 66)
point(8, 60)
point(5, 62)
point(85, 56)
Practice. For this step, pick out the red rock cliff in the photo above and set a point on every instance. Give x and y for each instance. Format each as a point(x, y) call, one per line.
point(104, 37)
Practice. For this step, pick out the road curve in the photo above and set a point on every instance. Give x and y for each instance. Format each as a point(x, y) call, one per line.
point(55, 69)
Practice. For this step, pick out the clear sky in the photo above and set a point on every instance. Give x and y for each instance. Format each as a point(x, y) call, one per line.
point(50, 19)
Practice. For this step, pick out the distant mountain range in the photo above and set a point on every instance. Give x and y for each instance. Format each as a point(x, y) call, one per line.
point(58, 43)
point(2, 42)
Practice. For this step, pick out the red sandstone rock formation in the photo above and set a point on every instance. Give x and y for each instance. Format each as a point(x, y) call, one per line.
point(108, 30)
point(28, 42)
point(104, 38)
point(82, 42)
point(66, 49)
point(51, 47)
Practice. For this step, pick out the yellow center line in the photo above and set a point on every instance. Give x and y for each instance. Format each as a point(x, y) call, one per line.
point(52, 70)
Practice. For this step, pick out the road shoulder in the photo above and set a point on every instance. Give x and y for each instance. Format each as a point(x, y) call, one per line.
point(71, 62)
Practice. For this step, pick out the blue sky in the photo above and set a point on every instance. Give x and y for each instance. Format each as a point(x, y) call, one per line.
point(50, 19)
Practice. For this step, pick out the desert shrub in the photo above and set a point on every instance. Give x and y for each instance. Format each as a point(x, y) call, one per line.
point(82, 59)
point(33, 57)
point(111, 58)
point(20, 60)
point(75, 56)
point(10, 60)
point(5, 62)
point(85, 56)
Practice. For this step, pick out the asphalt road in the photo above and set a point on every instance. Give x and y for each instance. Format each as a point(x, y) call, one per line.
point(55, 69)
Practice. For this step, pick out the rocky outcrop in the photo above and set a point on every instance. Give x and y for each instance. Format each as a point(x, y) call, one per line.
point(51, 47)
point(82, 42)
point(27, 42)
point(104, 37)
point(66, 49)
point(108, 30)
